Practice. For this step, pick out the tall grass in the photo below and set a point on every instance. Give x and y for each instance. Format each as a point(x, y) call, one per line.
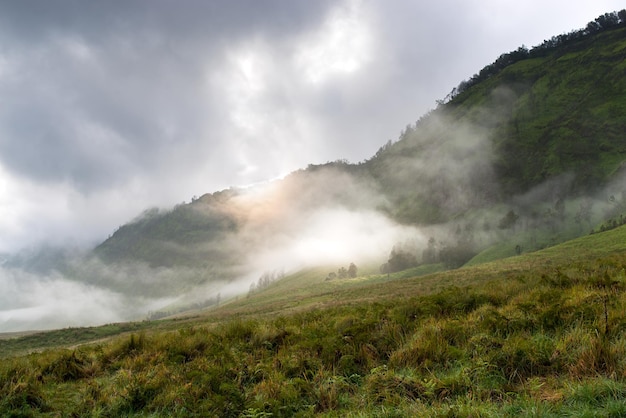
point(542, 342)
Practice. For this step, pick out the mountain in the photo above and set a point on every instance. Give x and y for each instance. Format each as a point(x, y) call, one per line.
point(527, 153)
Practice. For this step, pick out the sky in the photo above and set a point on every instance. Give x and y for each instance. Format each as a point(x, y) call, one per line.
point(109, 108)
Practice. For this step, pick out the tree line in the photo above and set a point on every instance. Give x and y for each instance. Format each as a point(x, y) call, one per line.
point(602, 23)
point(343, 273)
point(265, 280)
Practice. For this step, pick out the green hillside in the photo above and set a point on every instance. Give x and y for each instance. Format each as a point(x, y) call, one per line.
point(163, 238)
point(568, 115)
point(534, 335)
point(553, 112)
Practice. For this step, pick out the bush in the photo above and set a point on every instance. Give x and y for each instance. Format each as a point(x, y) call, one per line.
point(20, 394)
point(383, 385)
point(429, 349)
point(66, 367)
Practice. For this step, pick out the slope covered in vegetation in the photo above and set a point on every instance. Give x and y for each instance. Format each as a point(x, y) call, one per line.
point(538, 334)
point(557, 112)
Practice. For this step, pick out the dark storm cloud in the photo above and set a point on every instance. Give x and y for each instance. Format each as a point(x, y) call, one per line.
point(32, 20)
point(100, 89)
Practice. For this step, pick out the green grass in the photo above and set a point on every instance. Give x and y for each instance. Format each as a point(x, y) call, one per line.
point(540, 334)
point(37, 341)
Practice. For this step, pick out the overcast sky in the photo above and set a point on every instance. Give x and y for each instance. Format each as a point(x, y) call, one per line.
point(110, 107)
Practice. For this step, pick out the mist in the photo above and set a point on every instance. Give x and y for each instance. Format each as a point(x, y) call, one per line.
point(90, 292)
point(36, 302)
point(433, 194)
point(337, 219)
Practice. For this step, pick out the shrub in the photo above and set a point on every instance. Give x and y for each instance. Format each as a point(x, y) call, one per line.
point(524, 356)
point(597, 392)
point(20, 393)
point(238, 331)
point(599, 356)
point(67, 366)
point(384, 385)
point(429, 348)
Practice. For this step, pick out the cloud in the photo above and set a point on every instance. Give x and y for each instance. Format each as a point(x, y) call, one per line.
point(112, 107)
point(340, 46)
point(334, 236)
point(35, 302)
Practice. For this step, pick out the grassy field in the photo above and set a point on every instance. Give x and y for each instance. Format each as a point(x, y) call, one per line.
point(541, 334)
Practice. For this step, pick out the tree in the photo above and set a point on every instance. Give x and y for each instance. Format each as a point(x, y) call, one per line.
point(608, 20)
point(384, 268)
point(399, 260)
point(264, 281)
point(252, 288)
point(509, 220)
point(342, 273)
point(429, 255)
point(352, 270)
point(559, 207)
point(454, 256)
point(593, 27)
point(584, 212)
